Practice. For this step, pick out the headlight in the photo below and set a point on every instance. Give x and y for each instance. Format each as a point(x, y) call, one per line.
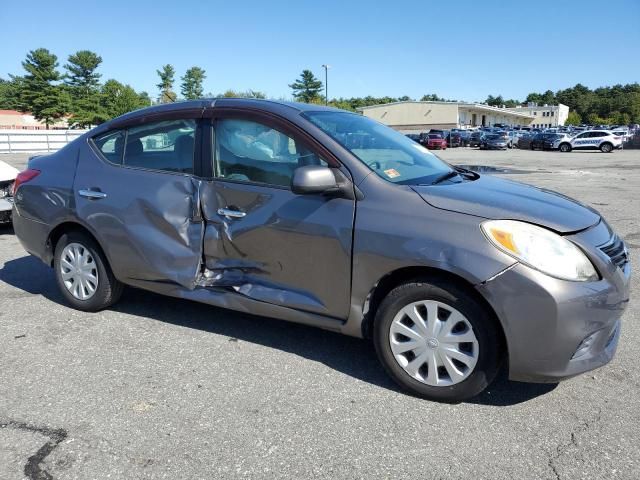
point(5, 190)
point(541, 249)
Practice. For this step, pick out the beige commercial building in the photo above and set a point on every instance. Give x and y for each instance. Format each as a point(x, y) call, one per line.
point(415, 117)
point(544, 116)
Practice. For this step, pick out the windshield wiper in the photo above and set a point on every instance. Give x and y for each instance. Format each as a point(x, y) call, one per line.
point(444, 177)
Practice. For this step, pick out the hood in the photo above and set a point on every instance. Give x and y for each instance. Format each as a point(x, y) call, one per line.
point(496, 198)
point(7, 172)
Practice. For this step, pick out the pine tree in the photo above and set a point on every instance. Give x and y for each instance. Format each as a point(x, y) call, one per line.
point(166, 84)
point(307, 88)
point(82, 73)
point(192, 83)
point(47, 101)
point(82, 82)
point(118, 99)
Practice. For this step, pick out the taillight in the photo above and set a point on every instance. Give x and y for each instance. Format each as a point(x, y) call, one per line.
point(24, 177)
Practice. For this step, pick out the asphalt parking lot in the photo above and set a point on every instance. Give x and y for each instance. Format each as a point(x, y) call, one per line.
point(163, 388)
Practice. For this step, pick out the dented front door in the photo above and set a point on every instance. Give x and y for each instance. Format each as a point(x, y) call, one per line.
point(274, 246)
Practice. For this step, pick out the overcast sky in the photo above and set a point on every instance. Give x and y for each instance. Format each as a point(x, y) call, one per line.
point(464, 49)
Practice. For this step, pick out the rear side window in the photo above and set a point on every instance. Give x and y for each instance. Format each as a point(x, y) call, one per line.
point(111, 145)
point(248, 151)
point(167, 145)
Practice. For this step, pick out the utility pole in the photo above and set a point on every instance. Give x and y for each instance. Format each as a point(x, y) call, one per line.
point(326, 83)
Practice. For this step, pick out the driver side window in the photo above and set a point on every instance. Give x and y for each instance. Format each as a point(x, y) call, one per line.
point(248, 151)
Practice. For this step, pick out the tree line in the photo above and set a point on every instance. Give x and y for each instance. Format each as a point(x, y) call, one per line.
point(77, 93)
point(615, 105)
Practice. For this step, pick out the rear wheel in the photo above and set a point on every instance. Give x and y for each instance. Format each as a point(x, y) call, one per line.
point(565, 147)
point(606, 147)
point(437, 341)
point(83, 273)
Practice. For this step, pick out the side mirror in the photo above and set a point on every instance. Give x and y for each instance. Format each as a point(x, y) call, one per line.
point(313, 179)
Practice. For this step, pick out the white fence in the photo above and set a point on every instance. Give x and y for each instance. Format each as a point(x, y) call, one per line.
point(13, 141)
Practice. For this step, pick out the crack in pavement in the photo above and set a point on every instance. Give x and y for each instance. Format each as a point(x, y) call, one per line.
point(573, 442)
point(33, 469)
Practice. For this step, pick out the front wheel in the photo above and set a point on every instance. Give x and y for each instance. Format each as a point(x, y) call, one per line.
point(606, 148)
point(83, 273)
point(437, 341)
point(565, 147)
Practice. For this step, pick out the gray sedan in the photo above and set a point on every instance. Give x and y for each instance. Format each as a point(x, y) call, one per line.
point(327, 218)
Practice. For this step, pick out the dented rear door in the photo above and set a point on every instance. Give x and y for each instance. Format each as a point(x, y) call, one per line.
point(145, 212)
point(262, 240)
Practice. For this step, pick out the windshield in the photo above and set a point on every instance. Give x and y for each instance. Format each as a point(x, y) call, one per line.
point(388, 153)
point(493, 137)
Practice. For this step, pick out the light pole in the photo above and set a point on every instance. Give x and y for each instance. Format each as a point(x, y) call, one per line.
point(326, 83)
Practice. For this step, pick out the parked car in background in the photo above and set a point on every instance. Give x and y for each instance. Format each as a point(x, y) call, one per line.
point(435, 141)
point(465, 135)
point(524, 141)
point(547, 141)
point(493, 141)
point(8, 176)
point(475, 138)
point(454, 139)
point(505, 136)
point(602, 140)
point(414, 136)
point(330, 219)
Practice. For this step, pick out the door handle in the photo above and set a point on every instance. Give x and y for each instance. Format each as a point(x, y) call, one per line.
point(226, 212)
point(92, 194)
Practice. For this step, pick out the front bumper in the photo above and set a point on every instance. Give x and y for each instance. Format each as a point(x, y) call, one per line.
point(6, 204)
point(546, 320)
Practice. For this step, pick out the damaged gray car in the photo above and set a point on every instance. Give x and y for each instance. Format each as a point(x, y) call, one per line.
point(327, 218)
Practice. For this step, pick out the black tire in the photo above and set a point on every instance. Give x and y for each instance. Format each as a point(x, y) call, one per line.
point(565, 147)
point(483, 324)
point(606, 147)
point(531, 147)
point(109, 289)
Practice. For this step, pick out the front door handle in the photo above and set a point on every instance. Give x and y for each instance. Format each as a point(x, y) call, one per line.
point(92, 194)
point(227, 212)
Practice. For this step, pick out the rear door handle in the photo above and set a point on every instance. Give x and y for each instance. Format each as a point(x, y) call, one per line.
point(227, 212)
point(92, 194)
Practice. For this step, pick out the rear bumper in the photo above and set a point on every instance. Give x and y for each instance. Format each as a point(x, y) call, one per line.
point(556, 329)
point(32, 235)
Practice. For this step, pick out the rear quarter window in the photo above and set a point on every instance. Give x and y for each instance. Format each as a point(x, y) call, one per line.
point(111, 145)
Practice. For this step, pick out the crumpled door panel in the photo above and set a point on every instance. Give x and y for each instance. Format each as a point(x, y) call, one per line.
point(290, 250)
point(146, 222)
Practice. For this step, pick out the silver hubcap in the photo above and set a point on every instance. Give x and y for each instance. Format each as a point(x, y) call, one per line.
point(79, 271)
point(434, 343)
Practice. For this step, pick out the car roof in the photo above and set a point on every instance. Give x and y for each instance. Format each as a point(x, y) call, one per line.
point(271, 106)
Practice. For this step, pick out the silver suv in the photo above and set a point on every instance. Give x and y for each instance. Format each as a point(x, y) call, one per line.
point(327, 218)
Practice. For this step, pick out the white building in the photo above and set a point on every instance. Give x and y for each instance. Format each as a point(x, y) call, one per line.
point(415, 117)
point(544, 116)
